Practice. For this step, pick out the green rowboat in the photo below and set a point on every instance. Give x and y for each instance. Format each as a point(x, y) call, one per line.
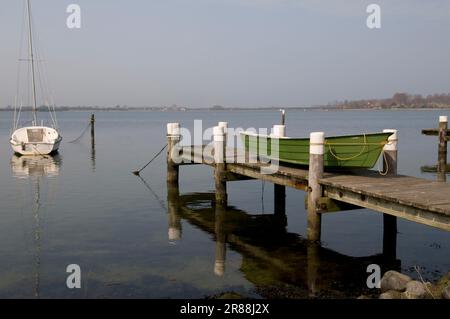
point(350, 151)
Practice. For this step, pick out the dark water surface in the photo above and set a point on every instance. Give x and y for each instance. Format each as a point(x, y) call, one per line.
point(88, 209)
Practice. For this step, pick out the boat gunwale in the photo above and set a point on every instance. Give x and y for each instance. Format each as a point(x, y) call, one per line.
point(307, 138)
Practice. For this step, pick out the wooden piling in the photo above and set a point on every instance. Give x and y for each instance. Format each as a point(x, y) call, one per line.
point(220, 165)
point(173, 211)
point(442, 153)
point(92, 128)
point(315, 173)
point(390, 164)
point(173, 138)
point(92, 122)
point(279, 190)
point(312, 268)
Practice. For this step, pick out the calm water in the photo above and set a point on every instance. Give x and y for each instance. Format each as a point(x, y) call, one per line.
point(88, 209)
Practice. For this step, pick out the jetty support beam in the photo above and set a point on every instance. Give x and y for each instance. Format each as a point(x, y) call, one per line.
point(442, 153)
point(219, 165)
point(173, 211)
point(389, 221)
point(315, 173)
point(279, 190)
point(173, 138)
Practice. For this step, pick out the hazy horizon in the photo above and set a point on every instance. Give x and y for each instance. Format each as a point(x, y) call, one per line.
point(235, 53)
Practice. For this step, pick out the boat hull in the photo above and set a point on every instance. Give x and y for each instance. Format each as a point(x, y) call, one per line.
point(23, 142)
point(352, 151)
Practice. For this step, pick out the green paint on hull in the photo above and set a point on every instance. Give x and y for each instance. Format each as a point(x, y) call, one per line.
point(352, 151)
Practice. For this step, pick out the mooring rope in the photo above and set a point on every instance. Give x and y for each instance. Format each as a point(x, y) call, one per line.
point(82, 134)
point(380, 171)
point(154, 157)
point(364, 145)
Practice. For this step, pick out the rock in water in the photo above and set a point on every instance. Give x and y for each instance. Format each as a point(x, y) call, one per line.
point(391, 294)
point(446, 292)
point(393, 280)
point(415, 290)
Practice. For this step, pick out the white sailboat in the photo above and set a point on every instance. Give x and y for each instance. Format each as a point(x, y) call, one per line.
point(35, 139)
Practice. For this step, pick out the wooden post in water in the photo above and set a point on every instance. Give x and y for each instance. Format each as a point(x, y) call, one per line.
point(279, 190)
point(220, 166)
point(389, 221)
point(92, 122)
point(442, 153)
point(173, 210)
point(93, 129)
point(316, 150)
point(173, 138)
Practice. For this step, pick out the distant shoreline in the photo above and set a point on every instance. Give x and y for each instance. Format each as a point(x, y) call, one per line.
point(144, 109)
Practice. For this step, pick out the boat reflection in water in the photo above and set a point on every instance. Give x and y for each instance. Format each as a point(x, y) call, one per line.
point(36, 168)
point(279, 264)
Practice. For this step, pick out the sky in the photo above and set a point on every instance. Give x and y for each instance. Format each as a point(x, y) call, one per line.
point(237, 53)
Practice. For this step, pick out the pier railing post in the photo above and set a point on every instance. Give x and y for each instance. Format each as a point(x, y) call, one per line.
point(279, 190)
point(220, 166)
point(173, 138)
point(316, 151)
point(389, 221)
point(442, 153)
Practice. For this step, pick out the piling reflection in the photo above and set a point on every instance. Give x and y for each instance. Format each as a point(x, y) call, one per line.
point(279, 263)
point(221, 237)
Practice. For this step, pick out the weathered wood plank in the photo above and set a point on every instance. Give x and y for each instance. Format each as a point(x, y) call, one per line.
point(433, 132)
point(433, 169)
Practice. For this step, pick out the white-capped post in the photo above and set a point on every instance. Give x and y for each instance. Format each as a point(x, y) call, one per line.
point(219, 167)
point(279, 131)
point(390, 153)
point(173, 138)
point(442, 154)
point(390, 164)
point(316, 152)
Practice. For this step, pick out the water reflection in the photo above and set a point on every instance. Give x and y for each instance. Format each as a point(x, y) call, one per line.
point(38, 166)
point(35, 168)
point(280, 264)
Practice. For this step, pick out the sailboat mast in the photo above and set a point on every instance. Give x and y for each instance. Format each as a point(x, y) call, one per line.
point(32, 64)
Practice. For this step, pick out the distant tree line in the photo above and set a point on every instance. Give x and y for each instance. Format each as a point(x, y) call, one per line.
point(398, 100)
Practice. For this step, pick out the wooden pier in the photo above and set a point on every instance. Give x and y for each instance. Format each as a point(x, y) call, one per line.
point(443, 134)
point(418, 200)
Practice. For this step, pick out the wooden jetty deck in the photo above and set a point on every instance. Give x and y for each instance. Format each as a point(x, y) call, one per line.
point(418, 200)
